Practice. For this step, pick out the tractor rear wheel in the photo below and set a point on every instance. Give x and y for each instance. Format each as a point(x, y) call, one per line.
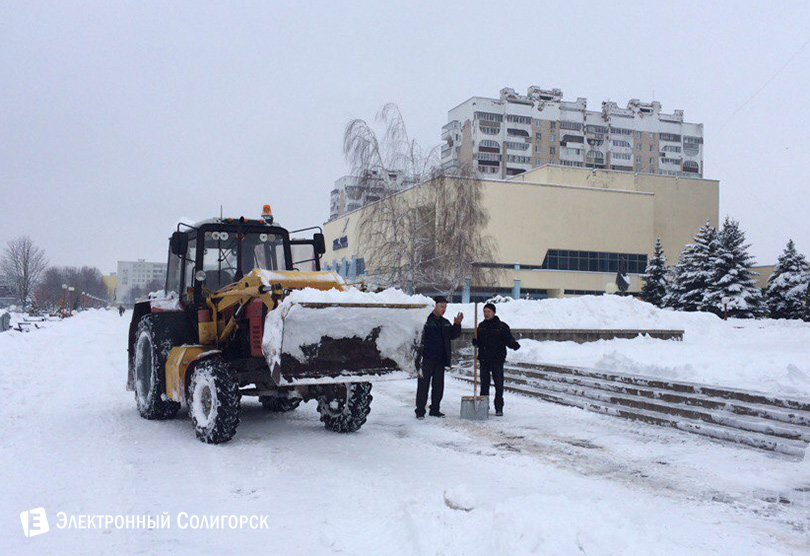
point(152, 346)
point(347, 409)
point(279, 404)
point(214, 401)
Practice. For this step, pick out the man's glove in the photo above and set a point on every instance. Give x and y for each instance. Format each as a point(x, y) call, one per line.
point(475, 342)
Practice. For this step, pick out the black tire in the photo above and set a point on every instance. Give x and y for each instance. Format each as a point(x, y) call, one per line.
point(152, 347)
point(279, 404)
point(348, 410)
point(214, 401)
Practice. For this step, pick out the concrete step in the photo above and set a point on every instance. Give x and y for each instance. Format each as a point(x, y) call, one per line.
point(752, 397)
point(768, 412)
point(753, 424)
point(715, 431)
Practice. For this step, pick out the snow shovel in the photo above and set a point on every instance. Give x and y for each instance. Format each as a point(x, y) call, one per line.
point(475, 408)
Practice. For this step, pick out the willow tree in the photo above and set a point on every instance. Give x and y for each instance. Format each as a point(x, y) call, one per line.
point(425, 232)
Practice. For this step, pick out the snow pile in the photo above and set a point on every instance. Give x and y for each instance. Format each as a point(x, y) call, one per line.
point(459, 497)
point(589, 312)
point(291, 326)
point(767, 355)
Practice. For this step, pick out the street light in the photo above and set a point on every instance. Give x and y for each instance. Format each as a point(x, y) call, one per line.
point(71, 289)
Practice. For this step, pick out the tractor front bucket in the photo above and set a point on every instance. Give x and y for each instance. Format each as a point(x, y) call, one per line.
point(326, 342)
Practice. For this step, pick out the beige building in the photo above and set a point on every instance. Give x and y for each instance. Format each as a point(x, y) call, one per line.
point(564, 230)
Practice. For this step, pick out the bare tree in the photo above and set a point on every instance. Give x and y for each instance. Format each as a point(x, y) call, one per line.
point(22, 266)
point(428, 236)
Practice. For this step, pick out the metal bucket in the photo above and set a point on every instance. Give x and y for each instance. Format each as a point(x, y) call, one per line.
point(475, 408)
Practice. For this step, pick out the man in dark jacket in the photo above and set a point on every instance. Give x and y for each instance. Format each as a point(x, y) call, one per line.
point(433, 356)
point(492, 340)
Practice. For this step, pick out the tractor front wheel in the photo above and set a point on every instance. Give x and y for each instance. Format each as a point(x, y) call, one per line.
point(347, 408)
point(214, 401)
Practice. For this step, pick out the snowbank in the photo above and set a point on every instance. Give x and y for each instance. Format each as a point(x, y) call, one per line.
point(589, 312)
point(768, 355)
point(291, 326)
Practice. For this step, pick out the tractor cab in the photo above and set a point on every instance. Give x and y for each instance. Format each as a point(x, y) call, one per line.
point(215, 253)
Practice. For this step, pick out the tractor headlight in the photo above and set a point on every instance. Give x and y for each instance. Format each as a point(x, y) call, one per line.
point(200, 276)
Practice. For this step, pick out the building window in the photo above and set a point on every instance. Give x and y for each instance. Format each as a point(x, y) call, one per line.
point(553, 125)
point(518, 119)
point(622, 144)
point(651, 160)
point(491, 144)
point(672, 149)
point(552, 150)
point(638, 135)
point(517, 132)
point(538, 161)
point(489, 116)
point(517, 146)
point(518, 159)
point(360, 266)
point(691, 166)
point(595, 154)
point(670, 161)
point(674, 137)
point(576, 126)
point(593, 261)
point(488, 156)
point(620, 131)
point(621, 156)
point(538, 136)
point(574, 163)
point(490, 130)
point(638, 147)
point(590, 128)
point(552, 138)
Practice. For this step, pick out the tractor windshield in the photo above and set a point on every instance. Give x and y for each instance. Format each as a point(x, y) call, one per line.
point(221, 255)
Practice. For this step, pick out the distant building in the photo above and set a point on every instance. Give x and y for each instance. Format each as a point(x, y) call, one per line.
point(352, 192)
point(137, 273)
point(111, 281)
point(506, 136)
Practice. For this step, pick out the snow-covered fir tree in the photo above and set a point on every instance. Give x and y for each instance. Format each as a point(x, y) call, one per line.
point(655, 277)
point(690, 278)
point(787, 286)
point(733, 276)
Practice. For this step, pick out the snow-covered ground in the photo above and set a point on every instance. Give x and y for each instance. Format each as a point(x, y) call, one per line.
point(767, 355)
point(545, 479)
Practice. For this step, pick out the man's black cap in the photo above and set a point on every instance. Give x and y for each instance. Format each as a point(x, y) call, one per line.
point(491, 306)
point(440, 299)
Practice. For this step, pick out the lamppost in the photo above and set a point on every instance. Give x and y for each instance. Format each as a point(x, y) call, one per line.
point(71, 289)
point(725, 300)
point(64, 299)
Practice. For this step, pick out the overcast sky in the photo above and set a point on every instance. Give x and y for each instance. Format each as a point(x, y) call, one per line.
point(118, 118)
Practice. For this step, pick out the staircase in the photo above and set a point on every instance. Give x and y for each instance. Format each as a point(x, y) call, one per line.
point(754, 419)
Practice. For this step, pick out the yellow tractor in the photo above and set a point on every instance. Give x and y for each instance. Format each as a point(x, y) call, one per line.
point(247, 311)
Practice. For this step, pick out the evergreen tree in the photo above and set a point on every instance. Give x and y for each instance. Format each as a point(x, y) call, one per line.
point(691, 277)
point(733, 276)
point(655, 277)
point(787, 286)
point(807, 303)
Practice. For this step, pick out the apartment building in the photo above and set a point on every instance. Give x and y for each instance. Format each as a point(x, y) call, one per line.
point(507, 136)
point(352, 192)
point(137, 273)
